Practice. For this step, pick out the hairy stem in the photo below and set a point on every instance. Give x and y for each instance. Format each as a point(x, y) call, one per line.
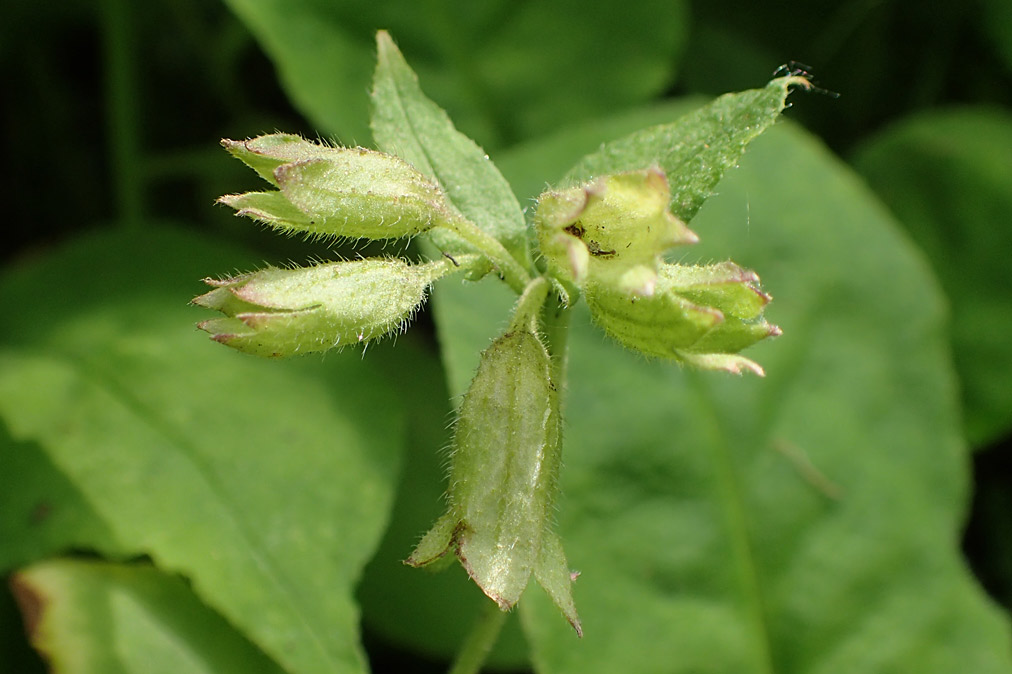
point(479, 640)
point(555, 318)
point(511, 271)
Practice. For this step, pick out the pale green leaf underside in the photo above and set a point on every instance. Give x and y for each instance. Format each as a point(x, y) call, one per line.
point(226, 469)
point(101, 618)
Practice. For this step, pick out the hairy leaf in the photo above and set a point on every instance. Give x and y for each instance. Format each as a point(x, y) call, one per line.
point(696, 150)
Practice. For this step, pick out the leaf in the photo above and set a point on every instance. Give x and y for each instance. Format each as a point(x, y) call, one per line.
point(321, 63)
point(807, 522)
point(267, 485)
point(505, 70)
point(532, 165)
point(407, 124)
point(94, 617)
point(696, 150)
point(945, 175)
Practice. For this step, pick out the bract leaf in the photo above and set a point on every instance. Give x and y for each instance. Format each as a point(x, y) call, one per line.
point(405, 122)
point(696, 150)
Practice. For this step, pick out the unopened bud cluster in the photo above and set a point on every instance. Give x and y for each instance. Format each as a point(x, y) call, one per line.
point(334, 192)
point(607, 237)
point(603, 240)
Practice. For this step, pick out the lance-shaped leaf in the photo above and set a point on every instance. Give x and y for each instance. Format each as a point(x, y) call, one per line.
point(696, 150)
point(504, 472)
point(282, 312)
point(337, 191)
point(405, 122)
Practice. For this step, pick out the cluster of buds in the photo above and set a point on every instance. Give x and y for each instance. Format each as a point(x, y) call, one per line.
point(604, 239)
point(331, 192)
point(607, 238)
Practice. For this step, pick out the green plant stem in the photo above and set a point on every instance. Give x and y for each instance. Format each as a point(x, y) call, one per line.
point(555, 318)
point(121, 96)
point(511, 271)
point(528, 307)
point(479, 640)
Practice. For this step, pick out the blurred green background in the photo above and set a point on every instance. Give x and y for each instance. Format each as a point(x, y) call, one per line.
point(111, 112)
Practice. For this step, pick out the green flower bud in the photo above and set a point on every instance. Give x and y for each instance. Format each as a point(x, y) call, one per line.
point(282, 312)
point(505, 462)
point(611, 230)
point(699, 315)
point(336, 191)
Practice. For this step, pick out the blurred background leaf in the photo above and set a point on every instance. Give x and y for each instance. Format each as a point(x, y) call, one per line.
point(267, 484)
point(93, 617)
point(946, 175)
point(503, 70)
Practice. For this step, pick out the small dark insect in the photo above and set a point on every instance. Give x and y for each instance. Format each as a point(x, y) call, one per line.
point(799, 69)
point(595, 249)
point(576, 229)
point(794, 69)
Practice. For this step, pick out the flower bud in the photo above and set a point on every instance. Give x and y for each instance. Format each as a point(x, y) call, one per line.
point(611, 230)
point(282, 312)
point(699, 315)
point(505, 461)
point(336, 191)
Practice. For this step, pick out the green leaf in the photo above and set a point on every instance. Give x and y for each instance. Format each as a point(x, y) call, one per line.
point(322, 63)
point(267, 485)
point(945, 175)
point(696, 150)
point(531, 165)
point(91, 617)
point(806, 522)
point(407, 124)
point(506, 70)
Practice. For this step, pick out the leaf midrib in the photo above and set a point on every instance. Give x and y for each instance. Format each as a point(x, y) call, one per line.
point(143, 413)
point(736, 524)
